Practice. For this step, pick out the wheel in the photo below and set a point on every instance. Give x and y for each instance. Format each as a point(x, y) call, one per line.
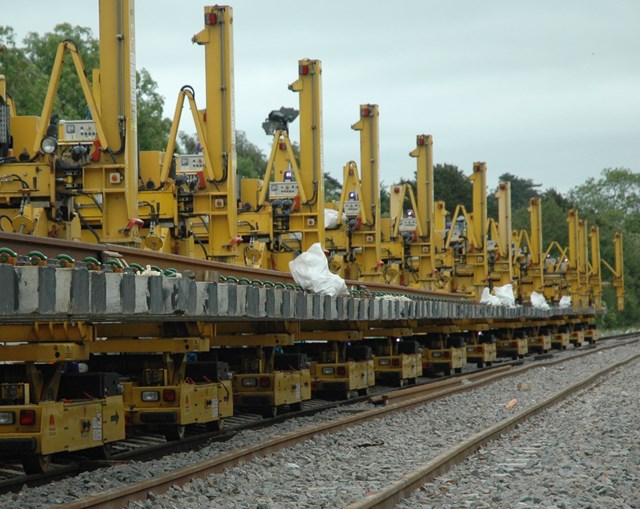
point(458, 370)
point(447, 371)
point(174, 432)
point(363, 392)
point(480, 364)
point(215, 425)
point(489, 363)
point(102, 452)
point(296, 407)
point(269, 412)
point(36, 464)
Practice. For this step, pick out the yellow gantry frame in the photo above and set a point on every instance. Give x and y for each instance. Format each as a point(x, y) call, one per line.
point(471, 273)
point(311, 220)
point(529, 247)
point(617, 272)
point(217, 202)
point(500, 233)
point(595, 274)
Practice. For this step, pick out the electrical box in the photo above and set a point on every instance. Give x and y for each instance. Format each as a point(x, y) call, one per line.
point(191, 163)
point(279, 190)
point(408, 224)
point(352, 208)
point(76, 131)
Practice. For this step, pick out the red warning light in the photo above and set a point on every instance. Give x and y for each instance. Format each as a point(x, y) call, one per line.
point(303, 69)
point(365, 112)
point(210, 18)
point(421, 140)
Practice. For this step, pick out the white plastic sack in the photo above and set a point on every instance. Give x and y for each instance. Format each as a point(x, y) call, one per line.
point(311, 271)
point(330, 219)
point(565, 301)
point(505, 294)
point(487, 298)
point(538, 301)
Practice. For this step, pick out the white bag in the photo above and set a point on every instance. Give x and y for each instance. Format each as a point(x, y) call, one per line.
point(487, 298)
point(505, 294)
point(311, 271)
point(330, 219)
point(565, 301)
point(538, 301)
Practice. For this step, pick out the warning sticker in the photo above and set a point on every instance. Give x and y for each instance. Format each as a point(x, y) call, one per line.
point(97, 427)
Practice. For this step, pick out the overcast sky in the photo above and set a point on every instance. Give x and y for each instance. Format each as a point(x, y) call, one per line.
point(547, 90)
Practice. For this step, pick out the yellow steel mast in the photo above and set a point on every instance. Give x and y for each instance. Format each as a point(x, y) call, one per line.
point(116, 93)
point(217, 201)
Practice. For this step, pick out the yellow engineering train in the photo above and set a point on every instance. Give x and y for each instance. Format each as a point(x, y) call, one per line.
point(148, 289)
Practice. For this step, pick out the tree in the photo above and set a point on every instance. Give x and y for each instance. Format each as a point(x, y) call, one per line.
point(452, 186)
point(252, 162)
point(522, 190)
point(153, 129)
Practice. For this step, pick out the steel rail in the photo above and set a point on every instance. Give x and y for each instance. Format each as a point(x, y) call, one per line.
point(117, 498)
point(203, 269)
point(402, 488)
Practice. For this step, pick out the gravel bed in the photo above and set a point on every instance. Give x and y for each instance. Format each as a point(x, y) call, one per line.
point(332, 470)
point(585, 452)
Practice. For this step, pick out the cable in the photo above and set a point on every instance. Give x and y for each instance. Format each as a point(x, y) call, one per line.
point(87, 225)
point(197, 239)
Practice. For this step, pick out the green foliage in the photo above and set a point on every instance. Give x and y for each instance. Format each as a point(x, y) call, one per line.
point(252, 163)
point(385, 200)
point(522, 190)
point(153, 130)
point(187, 143)
point(554, 218)
point(452, 186)
point(332, 188)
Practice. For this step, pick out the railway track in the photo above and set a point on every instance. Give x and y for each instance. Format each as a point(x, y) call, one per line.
point(402, 488)
point(391, 401)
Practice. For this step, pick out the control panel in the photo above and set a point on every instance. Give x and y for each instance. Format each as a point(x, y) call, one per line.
point(76, 131)
point(408, 224)
point(352, 208)
point(278, 190)
point(191, 163)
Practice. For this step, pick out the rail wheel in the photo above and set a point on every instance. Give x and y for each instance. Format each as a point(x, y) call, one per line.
point(102, 452)
point(36, 464)
point(296, 407)
point(215, 425)
point(269, 412)
point(174, 432)
point(363, 392)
